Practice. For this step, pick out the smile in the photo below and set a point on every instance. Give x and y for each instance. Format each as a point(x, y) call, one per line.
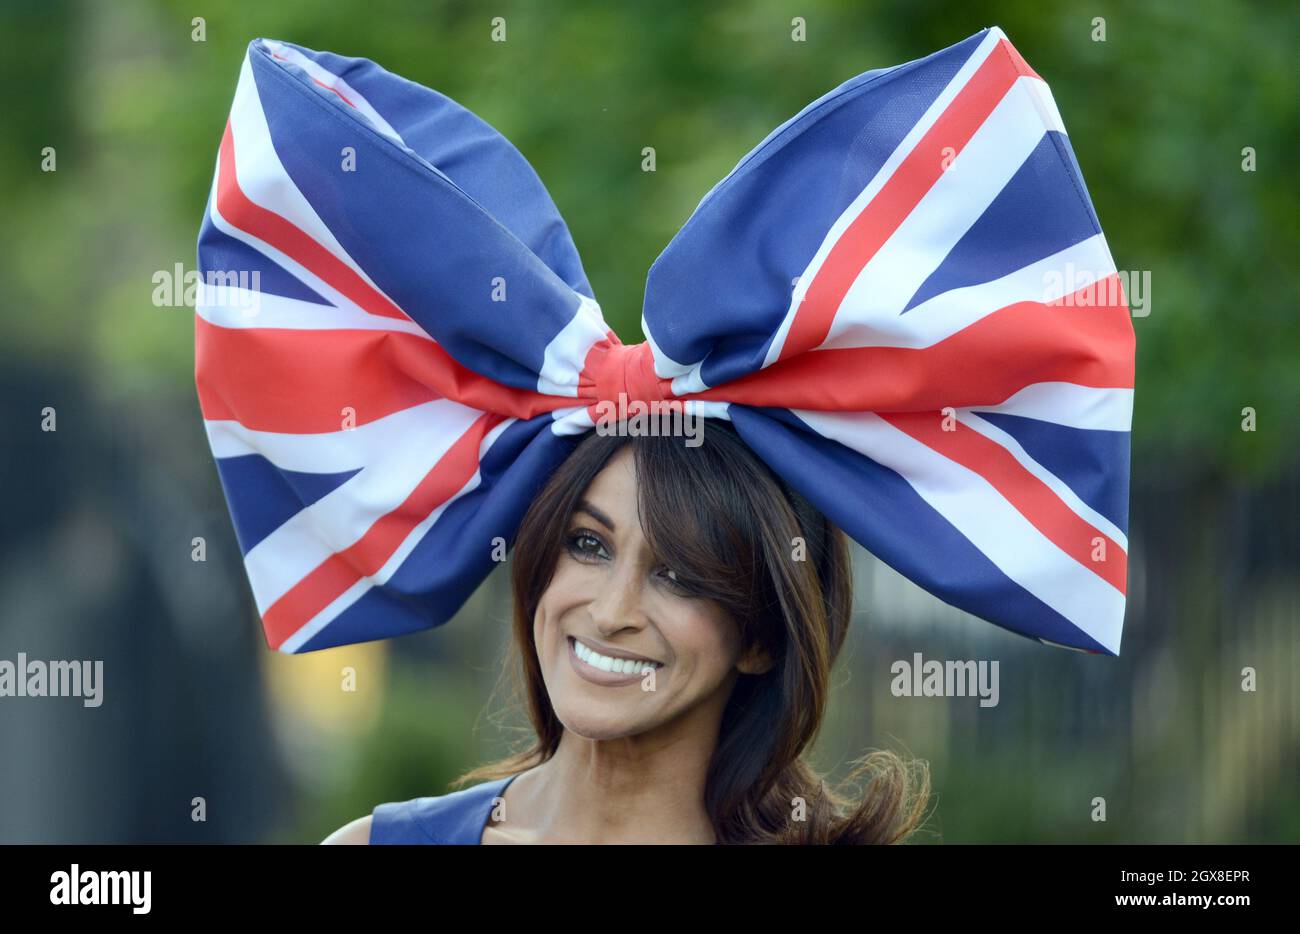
point(614, 664)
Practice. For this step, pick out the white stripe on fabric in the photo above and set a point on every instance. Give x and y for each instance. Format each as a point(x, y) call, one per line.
point(571, 421)
point(947, 313)
point(904, 149)
point(577, 420)
point(321, 620)
point(981, 514)
point(339, 519)
point(1053, 482)
point(685, 377)
point(567, 352)
point(308, 630)
point(1042, 98)
point(331, 80)
point(691, 381)
point(331, 451)
point(1070, 405)
point(265, 182)
point(234, 307)
point(957, 199)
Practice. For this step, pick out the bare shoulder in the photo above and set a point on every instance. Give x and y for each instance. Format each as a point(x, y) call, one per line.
point(354, 833)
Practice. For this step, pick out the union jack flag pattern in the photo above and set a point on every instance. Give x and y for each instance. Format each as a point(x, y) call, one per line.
point(901, 298)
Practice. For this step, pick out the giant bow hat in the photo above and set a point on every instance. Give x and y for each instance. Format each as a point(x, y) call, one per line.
point(901, 298)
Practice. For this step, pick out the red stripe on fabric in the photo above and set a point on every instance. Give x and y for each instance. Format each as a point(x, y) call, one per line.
point(1031, 497)
point(899, 196)
point(280, 233)
point(1017, 61)
point(321, 83)
point(983, 364)
point(333, 576)
point(300, 380)
point(338, 92)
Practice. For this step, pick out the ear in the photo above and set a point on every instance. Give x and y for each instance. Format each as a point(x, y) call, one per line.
point(754, 661)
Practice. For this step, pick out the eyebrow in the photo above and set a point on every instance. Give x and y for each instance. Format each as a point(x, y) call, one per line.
point(584, 506)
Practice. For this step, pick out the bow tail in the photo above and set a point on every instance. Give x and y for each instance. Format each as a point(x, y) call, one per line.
point(417, 564)
point(957, 513)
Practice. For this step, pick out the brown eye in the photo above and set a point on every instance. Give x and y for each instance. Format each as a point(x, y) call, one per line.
point(671, 580)
point(585, 546)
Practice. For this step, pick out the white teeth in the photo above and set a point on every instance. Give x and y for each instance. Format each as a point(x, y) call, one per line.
point(605, 663)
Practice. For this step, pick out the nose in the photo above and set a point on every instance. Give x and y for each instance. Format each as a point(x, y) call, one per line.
point(618, 605)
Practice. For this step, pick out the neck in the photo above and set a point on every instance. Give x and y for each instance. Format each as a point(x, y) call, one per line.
point(647, 788)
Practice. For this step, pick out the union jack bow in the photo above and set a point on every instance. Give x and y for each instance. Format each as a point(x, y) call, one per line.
point(901, 298)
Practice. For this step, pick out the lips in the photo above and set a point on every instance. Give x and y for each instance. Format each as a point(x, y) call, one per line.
point(607, 670)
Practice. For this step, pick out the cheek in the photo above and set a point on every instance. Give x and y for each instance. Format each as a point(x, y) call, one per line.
point(704, 640)
point(571, 586)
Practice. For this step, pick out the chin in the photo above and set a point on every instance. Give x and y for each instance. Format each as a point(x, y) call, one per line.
point(598, 724)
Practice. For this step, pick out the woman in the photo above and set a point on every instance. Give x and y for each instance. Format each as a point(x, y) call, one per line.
point(872, 306)
point(677, 612)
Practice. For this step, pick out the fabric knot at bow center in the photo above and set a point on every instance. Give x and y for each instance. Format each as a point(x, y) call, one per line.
point(622, 374)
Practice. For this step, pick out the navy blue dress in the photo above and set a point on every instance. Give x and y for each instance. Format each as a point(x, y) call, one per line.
point(454, 818)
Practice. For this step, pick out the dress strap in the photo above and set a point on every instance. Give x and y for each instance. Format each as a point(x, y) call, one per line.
point(456, 818)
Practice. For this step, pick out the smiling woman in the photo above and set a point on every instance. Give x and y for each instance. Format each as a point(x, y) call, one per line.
point(677, 612)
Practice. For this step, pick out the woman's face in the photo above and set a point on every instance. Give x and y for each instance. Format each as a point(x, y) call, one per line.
point(661, 657)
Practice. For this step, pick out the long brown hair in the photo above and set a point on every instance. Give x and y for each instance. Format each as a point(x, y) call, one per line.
point(738, 535)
